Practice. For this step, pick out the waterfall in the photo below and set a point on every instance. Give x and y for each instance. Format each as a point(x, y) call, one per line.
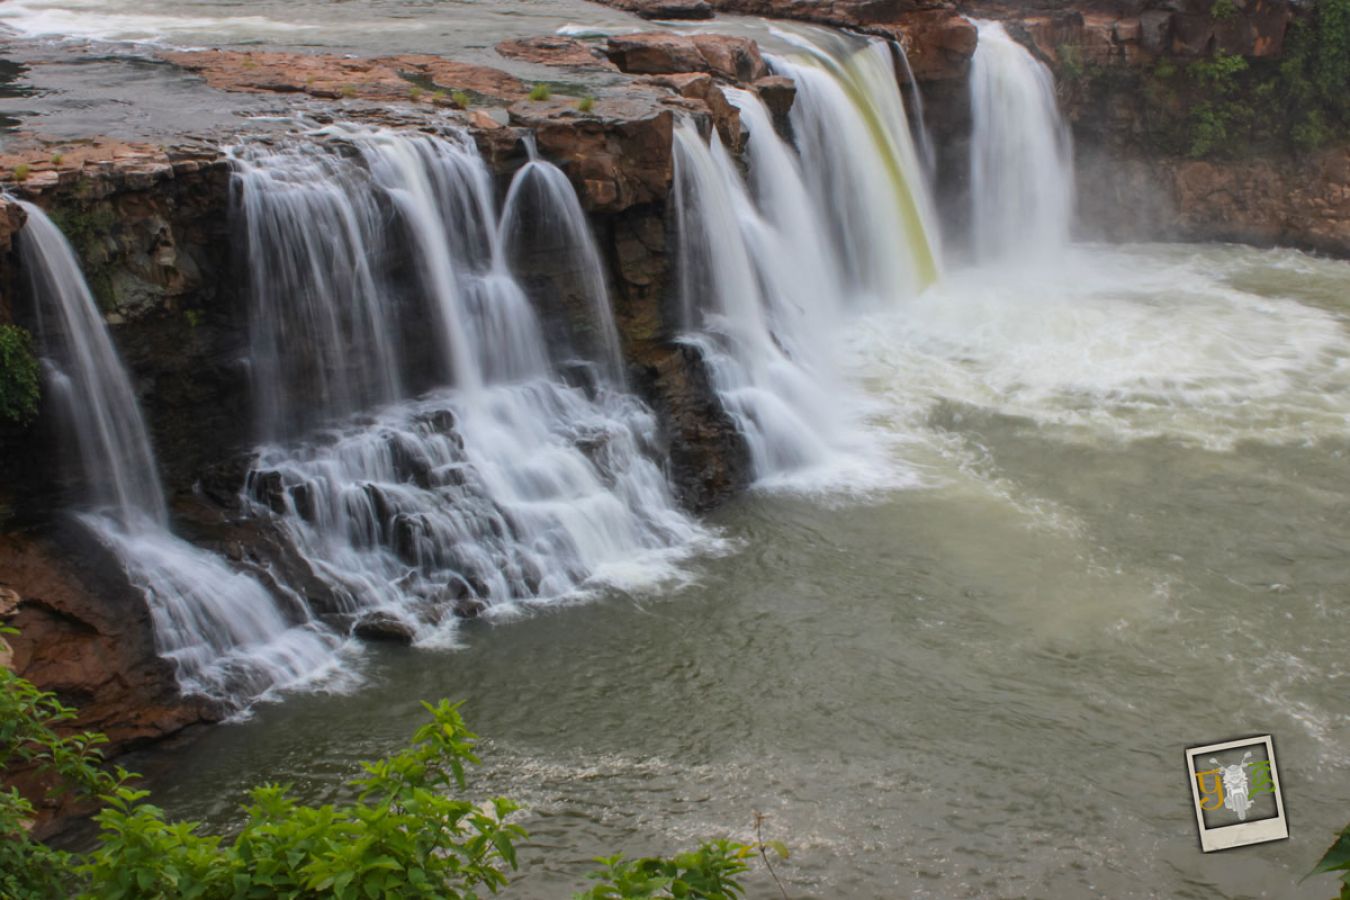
point(1021, 159)
point(321, 322)
point(225, 634)
point(542, 214)
point(117, 462)
point(862, 168)
point(840, 225)
point(927, 152)
point(505, 485)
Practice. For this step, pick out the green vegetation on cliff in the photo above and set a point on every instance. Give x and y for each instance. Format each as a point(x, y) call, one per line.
point(19, 376)
point(1226, 105)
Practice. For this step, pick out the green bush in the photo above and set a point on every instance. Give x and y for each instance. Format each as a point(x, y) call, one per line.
point(20, 376)
point(540, 92)
point(1337, 859)
point(407, 833)
point(708, 872)
point(29, 741)
point(1226, 105)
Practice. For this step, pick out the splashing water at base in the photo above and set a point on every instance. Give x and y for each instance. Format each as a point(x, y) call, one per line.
point(1128, 343)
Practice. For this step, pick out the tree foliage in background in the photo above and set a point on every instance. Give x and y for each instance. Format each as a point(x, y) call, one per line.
point(407, 833)
point(19, 376)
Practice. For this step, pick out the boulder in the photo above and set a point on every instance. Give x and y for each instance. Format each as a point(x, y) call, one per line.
point(778, 94)
point(664, 9)
point(618, 154)
point(554, 50)
point(658, 53)
point(734, 58)
point(701, 87)
point(384, 626)
point(939, 43)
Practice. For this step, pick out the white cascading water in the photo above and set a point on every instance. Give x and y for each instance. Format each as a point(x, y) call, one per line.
point(303, 228)
point(508, 487)
point(224, 633)
point(542, 215)
point(862, 169)
point(918, 121)
point(1021, 157)
point(767, 271)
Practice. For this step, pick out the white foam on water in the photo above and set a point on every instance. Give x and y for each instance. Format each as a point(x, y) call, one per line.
point(1116, 344)
point(102, 20)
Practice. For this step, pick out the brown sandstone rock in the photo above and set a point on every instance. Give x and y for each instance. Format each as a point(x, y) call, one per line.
point(664, 9)
point(939, 43)
point(655, 53)
point(11, 220)
point(334, 77)
point(700, 86)
point(618, 154)
point(553, 50)
point(659, 53)
point(85, 634)
point(737, 59)
point(778, 94)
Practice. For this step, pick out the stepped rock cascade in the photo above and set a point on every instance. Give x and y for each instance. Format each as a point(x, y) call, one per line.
point(768, 269)
point(1021, 157)
point(224, 632)
point(507, 485)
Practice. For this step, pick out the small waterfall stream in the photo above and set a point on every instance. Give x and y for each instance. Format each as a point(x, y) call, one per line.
point(541, 213)
point(224, 632)
point(1021, 159)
